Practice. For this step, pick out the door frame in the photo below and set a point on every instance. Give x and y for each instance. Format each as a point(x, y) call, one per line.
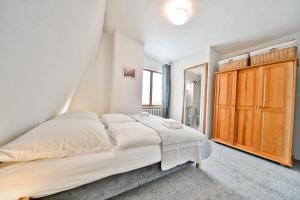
point(205, 65)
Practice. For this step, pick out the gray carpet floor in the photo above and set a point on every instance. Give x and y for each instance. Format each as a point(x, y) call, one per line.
point(226, 174)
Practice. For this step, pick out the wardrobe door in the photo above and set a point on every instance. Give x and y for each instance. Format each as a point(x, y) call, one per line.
point(277, 111)
point(247, 110)
point(225, 107)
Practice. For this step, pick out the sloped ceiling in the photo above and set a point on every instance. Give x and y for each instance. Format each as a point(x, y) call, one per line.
point(45, 46)
point(225, 25)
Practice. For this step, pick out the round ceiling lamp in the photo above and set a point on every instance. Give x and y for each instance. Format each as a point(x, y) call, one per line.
point(178, 11)
point(179, 16)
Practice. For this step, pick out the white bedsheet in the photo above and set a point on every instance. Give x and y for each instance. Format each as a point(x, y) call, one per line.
point(44, 177)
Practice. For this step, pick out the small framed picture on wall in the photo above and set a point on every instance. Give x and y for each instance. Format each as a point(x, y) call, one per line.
point(129, 72)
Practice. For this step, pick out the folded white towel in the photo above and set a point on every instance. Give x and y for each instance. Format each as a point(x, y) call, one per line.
point(171, 122)
point(145, 114)
point(171, 126)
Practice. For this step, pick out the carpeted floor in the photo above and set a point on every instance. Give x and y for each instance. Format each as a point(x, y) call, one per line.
point(226, 174)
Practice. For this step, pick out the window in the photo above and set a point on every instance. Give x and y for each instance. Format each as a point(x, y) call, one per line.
point(152, 88)
point(146, 87)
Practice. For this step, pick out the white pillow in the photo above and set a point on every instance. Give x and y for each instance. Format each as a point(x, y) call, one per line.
point(116, 118)
point(77, 115)
point(56, 139)
point(133, 134)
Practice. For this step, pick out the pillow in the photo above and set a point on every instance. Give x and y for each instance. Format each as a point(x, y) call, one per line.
point(77, 115)
point(57, 139)
point(116, 118)
point(133, 134)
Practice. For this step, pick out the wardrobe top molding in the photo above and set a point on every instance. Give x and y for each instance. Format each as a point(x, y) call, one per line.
point(252, 66)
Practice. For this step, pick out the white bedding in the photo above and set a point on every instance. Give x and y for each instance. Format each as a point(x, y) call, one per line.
point(116, 118)
point(178, 145)
point(57, 139)
point(132, 134)
point(44, 177)
point(48, 176)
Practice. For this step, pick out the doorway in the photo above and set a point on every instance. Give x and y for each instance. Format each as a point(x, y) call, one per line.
point(194, 97)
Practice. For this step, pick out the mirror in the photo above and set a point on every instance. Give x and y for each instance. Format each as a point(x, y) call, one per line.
point(194, 102)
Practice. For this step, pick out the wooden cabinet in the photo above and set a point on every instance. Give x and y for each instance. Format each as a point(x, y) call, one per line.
point(247, 112)
point(277, 111)
point(225, 106)
point(254, 110)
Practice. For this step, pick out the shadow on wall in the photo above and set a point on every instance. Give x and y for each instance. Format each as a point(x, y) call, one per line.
point(239, 47)
point(42, 58)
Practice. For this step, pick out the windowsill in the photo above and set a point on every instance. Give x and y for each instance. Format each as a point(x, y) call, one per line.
point(152, 106)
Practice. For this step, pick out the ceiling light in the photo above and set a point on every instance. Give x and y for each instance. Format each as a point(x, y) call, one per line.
point(178, 11)
point(179, 16)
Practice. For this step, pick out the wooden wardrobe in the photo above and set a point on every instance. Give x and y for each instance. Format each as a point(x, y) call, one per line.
point(254, 110)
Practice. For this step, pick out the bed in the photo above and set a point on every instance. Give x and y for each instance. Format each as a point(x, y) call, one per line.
point(116, 184)
point(54, 175)
point(43, 177)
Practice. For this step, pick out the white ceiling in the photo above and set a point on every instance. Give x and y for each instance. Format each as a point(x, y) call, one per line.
point(226, 25)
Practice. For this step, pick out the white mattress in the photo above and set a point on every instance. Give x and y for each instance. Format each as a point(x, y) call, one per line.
point(44, 177)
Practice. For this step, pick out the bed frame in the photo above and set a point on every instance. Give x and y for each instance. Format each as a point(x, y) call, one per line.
point(114, 185)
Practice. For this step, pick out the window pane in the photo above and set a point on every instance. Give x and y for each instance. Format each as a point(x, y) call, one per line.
point(146, 87)
point(157, 89)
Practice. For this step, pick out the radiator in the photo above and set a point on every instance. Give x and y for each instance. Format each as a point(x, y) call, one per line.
point(153, 111)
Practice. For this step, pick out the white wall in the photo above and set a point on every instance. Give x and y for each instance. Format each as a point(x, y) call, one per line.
point(152, 64)
point(94, 91)
point(296, 146)
point(177, 81)
point(126, 94)
point(177, 84)
point(212, 68)
point(45, 47)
